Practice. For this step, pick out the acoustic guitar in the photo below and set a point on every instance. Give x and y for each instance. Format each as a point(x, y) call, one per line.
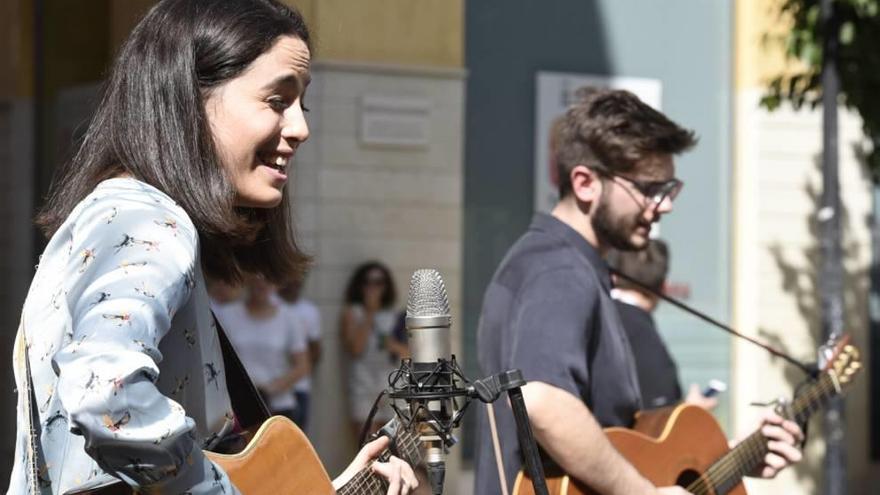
point(280, 460)
point(663, 449)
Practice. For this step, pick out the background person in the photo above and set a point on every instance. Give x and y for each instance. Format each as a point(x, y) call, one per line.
point(307, 321)
point(272, 349)
point(367, 321)
point(657, 371)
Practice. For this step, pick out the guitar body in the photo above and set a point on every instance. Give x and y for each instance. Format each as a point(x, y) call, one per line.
point(279, 460)
point(670, 446)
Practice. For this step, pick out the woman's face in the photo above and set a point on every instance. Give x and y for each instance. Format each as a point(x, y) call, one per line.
point(257, 122)
point(375, 285)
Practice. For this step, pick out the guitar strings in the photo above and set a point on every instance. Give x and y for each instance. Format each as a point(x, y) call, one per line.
point(365, 482)
point(747, 449)
point(753, 448)
point(805, 404)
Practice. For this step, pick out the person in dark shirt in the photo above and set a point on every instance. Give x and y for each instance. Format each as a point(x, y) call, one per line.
point(548, 312)
point(657, 371)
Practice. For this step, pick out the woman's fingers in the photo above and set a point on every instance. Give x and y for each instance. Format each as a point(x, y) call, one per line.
point(400, 476)
point(372, 449)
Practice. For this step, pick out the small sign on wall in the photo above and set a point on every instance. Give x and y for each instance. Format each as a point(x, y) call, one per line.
point(400, 122)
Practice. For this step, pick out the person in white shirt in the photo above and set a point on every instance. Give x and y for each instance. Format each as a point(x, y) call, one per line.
point(307, 321)
point(266, 337)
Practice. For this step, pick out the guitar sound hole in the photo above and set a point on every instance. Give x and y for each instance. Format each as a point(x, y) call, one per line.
point(686, 478)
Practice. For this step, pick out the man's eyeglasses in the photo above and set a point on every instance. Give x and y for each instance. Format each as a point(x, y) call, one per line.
point(654, 191)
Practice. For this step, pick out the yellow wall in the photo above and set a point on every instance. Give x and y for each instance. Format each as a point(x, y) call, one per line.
point(16, 49)
point(758, 49)
point(403, 32)
point(396, 32)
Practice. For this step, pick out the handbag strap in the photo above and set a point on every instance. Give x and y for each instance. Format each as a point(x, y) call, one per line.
point(247, 403)
point(31, 414)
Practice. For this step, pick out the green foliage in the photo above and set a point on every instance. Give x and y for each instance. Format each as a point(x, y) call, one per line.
point(858, 63)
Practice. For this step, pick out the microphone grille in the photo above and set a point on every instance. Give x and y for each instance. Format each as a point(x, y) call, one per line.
point(427, 295)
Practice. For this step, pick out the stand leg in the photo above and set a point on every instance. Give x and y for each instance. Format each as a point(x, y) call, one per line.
point(532, 458)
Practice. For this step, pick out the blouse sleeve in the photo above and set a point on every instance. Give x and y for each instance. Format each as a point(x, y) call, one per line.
point(131, 268)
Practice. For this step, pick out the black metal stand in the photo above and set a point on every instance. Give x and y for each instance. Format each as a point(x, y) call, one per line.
point(419, 385)
point(489, 390)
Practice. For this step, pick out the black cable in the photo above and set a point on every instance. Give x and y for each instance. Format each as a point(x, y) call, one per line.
point(365, 429)
point(809, 370)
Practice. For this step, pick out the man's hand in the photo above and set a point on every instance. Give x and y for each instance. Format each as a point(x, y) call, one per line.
point(783, 437)
point(399, 475)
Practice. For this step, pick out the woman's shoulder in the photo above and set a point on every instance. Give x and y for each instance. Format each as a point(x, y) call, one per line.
point(130, 200)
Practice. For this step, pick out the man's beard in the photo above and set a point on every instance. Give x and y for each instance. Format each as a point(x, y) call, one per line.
point(615, 231)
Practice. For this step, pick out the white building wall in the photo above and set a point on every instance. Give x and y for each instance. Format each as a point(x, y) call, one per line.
point(777, 184)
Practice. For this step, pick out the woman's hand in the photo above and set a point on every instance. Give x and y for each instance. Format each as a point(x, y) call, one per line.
point(399, 475)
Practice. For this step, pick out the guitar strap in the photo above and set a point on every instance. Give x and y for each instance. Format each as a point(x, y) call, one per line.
point(31, 414)
point(247, 403)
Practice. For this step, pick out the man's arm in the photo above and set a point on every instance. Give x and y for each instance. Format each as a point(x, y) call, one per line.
point(567, 431)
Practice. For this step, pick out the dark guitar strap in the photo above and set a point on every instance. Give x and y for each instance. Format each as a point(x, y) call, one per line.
point(247, 403)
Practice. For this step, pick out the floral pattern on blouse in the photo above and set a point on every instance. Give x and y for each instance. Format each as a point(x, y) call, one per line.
point(126, 363)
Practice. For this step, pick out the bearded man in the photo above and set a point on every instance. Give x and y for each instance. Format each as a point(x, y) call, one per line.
point(547, 310)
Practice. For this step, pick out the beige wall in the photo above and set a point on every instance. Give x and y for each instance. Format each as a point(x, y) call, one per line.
point(777, 180)
point(403, 32)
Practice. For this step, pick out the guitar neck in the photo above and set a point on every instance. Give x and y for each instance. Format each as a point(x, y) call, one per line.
point(365, 482)
point(749, 454)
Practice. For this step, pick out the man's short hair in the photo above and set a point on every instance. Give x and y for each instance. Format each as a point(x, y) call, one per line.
point(648, 266)
point(614, 130)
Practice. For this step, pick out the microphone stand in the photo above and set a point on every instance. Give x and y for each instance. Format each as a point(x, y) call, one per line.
point(488, 390)
point(445, 381)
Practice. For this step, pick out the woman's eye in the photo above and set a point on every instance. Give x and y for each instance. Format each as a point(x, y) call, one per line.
point(302, 104)
point(278, 104)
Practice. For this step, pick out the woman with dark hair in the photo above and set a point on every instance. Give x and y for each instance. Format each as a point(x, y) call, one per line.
point(367, 322)
point(181, 175)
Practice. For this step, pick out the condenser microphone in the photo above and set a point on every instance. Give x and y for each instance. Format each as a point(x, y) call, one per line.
point(427, 325)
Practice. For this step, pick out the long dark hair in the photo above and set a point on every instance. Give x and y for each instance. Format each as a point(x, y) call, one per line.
point(151, 124)
point(354, 292)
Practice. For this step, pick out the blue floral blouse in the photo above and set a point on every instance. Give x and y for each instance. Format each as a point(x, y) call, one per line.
point(126, 362)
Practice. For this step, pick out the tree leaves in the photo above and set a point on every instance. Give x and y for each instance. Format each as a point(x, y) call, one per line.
point(858, 64)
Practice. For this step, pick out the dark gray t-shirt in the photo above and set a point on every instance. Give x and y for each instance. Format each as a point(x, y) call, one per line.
point(547, 312)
